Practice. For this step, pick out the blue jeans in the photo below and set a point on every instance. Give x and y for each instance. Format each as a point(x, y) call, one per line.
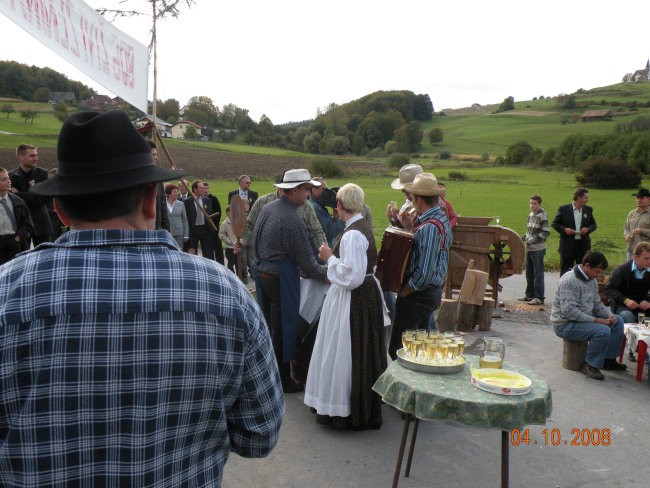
point(535, 274)
point(629, 317)
point(604, 342)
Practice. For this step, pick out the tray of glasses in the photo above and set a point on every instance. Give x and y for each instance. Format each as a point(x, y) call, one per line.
point(456, 366)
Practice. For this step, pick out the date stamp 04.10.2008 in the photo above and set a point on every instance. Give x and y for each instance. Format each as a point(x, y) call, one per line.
point(555, 437)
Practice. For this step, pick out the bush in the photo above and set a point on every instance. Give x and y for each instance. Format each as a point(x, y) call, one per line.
point(435, 135)
point(601, 172)
point(575, 118)
point(326, 167)
point(548, 158)
point(500, 161)
point(457, 176)
point(444, 155)
point(485, 157)
point(390, 147)
point(397, 160)
point(520, 152)
point(375, 152)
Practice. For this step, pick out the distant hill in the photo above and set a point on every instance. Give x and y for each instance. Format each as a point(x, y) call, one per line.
point(33, 84)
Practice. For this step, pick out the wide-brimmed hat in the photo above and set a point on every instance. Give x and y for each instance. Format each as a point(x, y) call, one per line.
point(99, 153)
point(425, 185)
point(643, 192)
point(406, 175)
point(296, 177)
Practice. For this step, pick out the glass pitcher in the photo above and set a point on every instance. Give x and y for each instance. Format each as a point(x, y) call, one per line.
point(493, 353)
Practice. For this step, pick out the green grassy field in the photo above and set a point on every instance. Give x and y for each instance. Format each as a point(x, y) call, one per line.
point(504, 192)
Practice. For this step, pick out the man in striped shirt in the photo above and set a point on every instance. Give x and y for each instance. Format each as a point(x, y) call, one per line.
point(421, 292)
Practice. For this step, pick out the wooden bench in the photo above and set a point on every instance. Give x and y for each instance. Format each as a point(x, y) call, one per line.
point(574, 354)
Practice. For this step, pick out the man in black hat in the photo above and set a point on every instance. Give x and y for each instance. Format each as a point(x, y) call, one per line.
point(114, 371)
point(637, 224)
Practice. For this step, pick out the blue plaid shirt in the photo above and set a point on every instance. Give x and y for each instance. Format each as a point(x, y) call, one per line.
point(125, 362)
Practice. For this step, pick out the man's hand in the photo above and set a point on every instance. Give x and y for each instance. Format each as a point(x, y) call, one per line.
point(601, 321)
point(408, 220)
point(631, 304)
point(584, 231)
point(406, 290)
point(236, 247)
point(570, 232)
point(324, 252)
point(629, 238)
point(637, 231)
point(644, 305)
point(611, 320)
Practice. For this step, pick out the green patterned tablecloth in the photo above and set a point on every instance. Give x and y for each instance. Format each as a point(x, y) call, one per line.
point(453, 397)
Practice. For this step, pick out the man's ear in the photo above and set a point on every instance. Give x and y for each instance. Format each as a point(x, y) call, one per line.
point(62, 215)
point(149, 202)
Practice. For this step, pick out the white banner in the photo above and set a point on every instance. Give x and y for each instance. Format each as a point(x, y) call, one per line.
point(82, 37)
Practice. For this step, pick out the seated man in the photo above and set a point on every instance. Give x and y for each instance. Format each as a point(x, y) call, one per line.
point(629, 285)
point(579, 315)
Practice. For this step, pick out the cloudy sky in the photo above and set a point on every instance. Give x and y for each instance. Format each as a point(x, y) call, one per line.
point(287, 59)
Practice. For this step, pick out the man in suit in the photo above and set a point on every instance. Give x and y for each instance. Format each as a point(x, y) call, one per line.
point(162, 216)
point(574, 221)
point(244, 191)
point(215, 217)
point(15, 222)
point(200, 230)
point(26, 175)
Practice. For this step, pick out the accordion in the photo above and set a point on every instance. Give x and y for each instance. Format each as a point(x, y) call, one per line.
point(393, 258)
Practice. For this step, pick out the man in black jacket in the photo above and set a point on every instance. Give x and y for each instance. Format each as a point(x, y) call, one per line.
point(628, 287)
point(574, 222)
point(26, 175)
point(244, 191)
point(200, 230)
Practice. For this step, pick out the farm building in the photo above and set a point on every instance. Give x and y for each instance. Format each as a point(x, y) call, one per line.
point(595, 115)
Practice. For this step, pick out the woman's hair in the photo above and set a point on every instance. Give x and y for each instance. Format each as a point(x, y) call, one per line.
point(351, 197)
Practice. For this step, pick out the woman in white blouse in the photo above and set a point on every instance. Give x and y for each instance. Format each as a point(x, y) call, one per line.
point(349, 354)
point(178, 223)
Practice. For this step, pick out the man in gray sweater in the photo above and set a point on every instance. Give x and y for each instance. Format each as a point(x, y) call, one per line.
point(579, 315)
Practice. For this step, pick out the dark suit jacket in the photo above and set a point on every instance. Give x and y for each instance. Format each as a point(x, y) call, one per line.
point(24, 224)
point(216, 208)
point(190, 210)
point(37, 205)
point(564, 218)
point(252, 196)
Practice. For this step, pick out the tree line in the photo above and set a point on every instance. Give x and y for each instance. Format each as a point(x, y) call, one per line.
point(34, 84)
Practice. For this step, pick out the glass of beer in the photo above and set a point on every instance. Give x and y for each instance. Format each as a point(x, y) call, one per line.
point(417, 348)
point(453, 351)
point(641, 318)
point(461, 345)
point(407, 341)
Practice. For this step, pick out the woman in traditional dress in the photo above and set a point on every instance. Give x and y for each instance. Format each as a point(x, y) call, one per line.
point(349, 354)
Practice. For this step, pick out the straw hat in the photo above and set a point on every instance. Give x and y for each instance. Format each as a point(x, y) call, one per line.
point(296, 177)
point(406, 175)
point(425, 185)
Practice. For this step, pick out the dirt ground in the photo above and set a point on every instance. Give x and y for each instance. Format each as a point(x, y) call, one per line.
point(207, 164)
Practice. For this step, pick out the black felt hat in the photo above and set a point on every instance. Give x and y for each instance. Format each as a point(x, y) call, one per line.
point(643, 192)
point(99, 153)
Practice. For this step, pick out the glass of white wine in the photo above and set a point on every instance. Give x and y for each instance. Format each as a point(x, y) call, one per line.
point(641, 318)
point(497, 219)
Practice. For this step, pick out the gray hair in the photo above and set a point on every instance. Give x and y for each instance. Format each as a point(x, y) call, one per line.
point(351, 197)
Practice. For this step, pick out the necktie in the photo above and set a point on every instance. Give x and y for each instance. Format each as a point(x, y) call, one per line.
point(10, 214)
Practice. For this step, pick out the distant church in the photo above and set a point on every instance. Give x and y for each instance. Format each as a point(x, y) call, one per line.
point(638, 75)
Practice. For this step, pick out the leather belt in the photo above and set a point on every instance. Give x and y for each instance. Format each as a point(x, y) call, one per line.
point(261, 274)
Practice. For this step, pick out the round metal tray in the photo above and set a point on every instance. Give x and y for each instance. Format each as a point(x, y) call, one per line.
point(428, 368)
